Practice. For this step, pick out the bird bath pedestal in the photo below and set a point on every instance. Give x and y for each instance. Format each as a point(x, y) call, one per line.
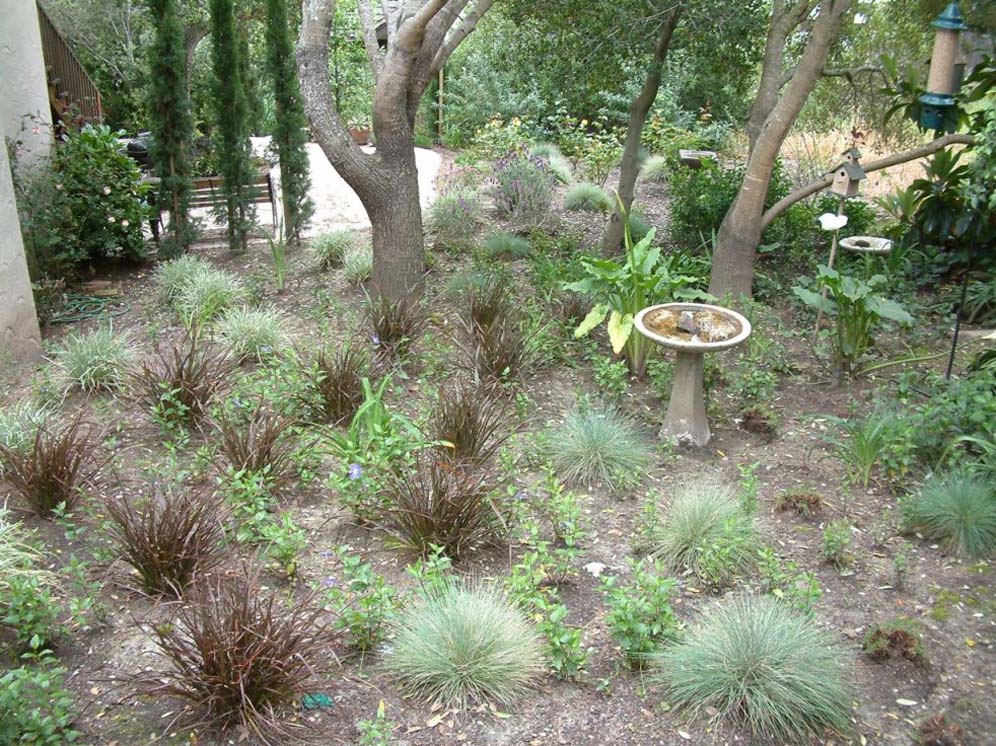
point(691, 330)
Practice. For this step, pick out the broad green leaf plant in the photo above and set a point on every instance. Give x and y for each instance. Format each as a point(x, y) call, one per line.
point(856, 309)
point(623, 288)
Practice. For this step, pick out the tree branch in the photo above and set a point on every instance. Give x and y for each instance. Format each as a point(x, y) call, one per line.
point(370, 37)
point(326, 125)
point(892, 160)
point(455, 38)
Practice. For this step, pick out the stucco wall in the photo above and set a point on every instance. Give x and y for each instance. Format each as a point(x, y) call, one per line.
point(20, 340)
point(24, 108)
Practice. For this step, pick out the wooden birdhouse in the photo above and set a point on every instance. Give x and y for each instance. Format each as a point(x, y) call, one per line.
point(847, 175)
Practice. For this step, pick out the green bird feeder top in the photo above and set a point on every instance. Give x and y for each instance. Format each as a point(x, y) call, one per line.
point(950, 18)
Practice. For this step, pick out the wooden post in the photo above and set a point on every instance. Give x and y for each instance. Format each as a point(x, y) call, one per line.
point(439, 114)
point(833, 255)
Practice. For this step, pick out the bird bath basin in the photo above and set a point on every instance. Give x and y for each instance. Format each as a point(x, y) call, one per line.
point(691, 329)
point(867, 244)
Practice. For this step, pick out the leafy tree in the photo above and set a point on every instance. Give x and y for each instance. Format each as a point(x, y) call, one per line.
point(171, 126)
point(232, 119)
point(289, 133)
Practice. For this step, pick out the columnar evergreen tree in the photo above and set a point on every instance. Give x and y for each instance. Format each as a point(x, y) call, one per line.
point(289, 133)
point(232, 125)
point(172, 126)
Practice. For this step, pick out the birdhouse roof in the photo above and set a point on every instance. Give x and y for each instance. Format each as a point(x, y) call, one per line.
point(853, 152)
point(854, 171)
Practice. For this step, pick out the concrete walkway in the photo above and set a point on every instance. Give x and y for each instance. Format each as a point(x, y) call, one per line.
point(336, 204)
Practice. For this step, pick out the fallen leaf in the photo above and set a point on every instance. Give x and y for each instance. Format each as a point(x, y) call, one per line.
point(906, 702)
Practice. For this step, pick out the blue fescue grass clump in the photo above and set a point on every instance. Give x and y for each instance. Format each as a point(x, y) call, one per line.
point(464, 643)
point(585, 197)
point(957, 510)
point(759, 663)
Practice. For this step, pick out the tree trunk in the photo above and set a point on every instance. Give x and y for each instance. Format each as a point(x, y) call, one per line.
point(740, 232)
point(638, 110)
point(398, 241)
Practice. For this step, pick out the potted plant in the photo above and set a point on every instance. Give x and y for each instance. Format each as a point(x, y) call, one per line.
point(359, 128)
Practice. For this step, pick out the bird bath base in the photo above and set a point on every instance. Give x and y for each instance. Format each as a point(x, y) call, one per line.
point(691, 329)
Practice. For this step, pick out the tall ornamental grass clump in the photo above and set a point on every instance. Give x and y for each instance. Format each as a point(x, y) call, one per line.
point(94, 361)
point(330, 247)
point(465, 644)
point(237, 653)
point(759, 663)
point(958, 510)
point(252, 333)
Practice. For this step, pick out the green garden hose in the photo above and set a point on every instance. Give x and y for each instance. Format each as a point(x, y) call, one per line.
point(76, 307)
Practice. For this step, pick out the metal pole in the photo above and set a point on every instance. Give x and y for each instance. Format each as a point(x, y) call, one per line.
point(961, 306)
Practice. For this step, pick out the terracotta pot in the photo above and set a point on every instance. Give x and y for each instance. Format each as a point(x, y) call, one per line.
point(360, 135)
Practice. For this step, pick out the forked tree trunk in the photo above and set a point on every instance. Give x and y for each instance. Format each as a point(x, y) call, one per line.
point(740, 232)
point(421, 37)
point(638, 111)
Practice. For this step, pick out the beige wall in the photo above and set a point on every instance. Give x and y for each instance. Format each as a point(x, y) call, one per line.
point(24, 117)
point(24, 108)
point(20, 340)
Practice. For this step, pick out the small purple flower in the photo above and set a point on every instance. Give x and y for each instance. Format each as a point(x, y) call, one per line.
point(328, 582)
point(355, 471)
point(375, 339)
point(326, 553)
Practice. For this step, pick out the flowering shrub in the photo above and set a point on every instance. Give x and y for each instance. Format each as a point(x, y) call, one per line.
point(454, 217)
point(523, 189)
point(100, 201)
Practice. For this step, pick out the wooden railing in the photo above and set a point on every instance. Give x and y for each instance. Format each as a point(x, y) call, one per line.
point(73, 95)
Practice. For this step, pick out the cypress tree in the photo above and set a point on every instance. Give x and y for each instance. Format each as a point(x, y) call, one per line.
point(232, 125)
point(289, 133)
point(172, 126)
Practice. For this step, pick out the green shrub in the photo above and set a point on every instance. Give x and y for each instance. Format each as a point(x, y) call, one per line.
point(640, 617)
point(207, 293)
point(597, 446)
point(506, 246)
point(462, 644)
point(883, 439)
point(100, 204)
point(704, 530)
point(172, 276)
point(453, 218)
point(837, 538)
point(756, 661)
point(584, 197)
point(357, 262)
point(364, 604)
point(95, 360)
point(256, 333)
point(331, 246)
point(655, 170)
point(35, 705)
point(956, 509)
